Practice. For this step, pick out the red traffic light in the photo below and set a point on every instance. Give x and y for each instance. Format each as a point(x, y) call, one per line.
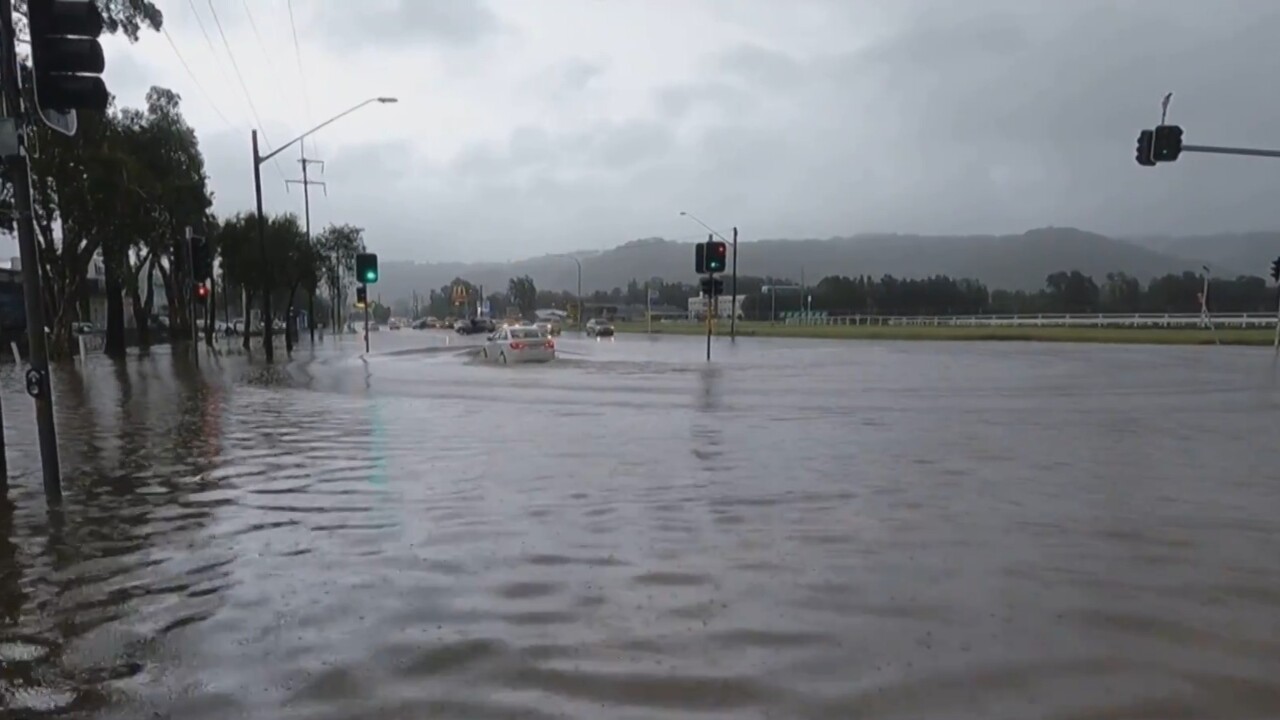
point(202, 291)
point(717, 256)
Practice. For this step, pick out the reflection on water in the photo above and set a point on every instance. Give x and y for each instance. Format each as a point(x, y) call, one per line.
point(814, 530)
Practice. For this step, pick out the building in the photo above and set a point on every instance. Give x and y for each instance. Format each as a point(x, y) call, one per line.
point(727, 304)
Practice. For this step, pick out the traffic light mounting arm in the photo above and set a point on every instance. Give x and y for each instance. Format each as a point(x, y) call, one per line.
point(1206, 149)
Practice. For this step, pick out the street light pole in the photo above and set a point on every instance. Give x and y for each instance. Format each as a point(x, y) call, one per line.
point(577, 262)
point(258, 160)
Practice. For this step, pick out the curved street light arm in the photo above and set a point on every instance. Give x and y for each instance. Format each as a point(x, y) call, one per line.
point(712, 230)
point(335, 118)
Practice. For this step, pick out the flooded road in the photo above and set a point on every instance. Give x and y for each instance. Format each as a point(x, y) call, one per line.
point(803, 529)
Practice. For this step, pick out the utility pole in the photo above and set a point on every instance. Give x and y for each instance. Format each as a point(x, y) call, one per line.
point(306, 210)
point(37, 375)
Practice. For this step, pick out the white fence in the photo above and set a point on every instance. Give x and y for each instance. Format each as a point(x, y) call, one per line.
point(1147, 320)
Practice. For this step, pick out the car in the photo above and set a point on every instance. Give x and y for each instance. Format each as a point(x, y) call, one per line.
point(599, 327)
point(474, 326)
point(510, 345)
point(549, 327)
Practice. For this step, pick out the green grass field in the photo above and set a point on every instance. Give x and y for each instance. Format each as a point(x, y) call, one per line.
point(1137, 336)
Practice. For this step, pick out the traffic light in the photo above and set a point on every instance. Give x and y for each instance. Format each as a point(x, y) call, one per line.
point(367, 268)
point(1275, 270)
point(700, 258)
point(717, 256)
point(66, 58)
point(201, 259)
point(1168, 143)
point(712, 286)
point(362, 296)
point(202, 292)
point(1146, 142)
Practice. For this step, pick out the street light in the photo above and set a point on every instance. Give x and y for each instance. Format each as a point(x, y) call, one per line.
point(577, 262)
point(733, 282)
point(258, 160)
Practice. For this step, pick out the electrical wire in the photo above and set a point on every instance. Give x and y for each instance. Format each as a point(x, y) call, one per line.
point(247, 95)
point(271, 66)
point(208, 98)
point(302, 76)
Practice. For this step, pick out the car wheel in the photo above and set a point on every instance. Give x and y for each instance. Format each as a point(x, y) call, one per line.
point(503, 358)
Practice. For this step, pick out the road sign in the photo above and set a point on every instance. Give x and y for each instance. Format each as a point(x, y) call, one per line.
point(64, 122)
point(484, 308)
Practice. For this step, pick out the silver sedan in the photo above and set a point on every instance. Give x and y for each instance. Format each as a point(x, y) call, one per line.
point(518, 345)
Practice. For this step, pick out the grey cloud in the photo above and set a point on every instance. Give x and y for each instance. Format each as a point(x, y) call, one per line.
point(946, 117)
point(408, 22)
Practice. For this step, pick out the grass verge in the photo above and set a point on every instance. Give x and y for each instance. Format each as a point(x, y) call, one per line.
point(1135, 336)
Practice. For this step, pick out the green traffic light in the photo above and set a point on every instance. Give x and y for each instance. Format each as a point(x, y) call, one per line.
point(371, 276)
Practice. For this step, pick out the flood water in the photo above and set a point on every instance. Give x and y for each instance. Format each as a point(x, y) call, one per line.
point(802, 529)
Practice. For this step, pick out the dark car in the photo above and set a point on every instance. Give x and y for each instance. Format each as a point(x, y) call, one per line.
point(474, 326)
point(599, 327)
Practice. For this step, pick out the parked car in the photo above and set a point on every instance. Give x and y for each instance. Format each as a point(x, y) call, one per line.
point(599, 327)
point(519, 345)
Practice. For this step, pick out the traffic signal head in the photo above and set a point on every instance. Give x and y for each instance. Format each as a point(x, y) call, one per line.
point(202, 292)
point(1146, 143)
point(712, 286)
point(1275, 270)
point(362, 296)
point(717, 256)
point(367, 268)
point(700, 258)
point(66, 58)
point(201, 259)
point(1167, 144)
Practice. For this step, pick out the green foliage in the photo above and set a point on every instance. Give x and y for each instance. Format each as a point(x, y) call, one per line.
point(523, 294)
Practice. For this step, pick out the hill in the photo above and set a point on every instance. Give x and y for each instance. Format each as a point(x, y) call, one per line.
point(1010, 262)
point(1248, 253)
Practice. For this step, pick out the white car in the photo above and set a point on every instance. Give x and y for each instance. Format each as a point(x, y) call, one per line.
point(518, 345)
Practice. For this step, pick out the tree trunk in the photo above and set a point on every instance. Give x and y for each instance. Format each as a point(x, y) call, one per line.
point(311, 314)
point(115, 345)
point(248, 303)
point(290, 321)
point(210, 313)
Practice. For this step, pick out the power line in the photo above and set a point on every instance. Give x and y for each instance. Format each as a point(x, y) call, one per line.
point(208, 41)
point(247, 95)
point(302, 77)
point(271, 67)
point(208, 98)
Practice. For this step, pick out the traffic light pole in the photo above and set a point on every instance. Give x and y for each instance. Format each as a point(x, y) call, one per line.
point(366, 320)
point(733, 290)
point(37, 376)
point(1276, 343)
point(711, 299)
point(191, 296)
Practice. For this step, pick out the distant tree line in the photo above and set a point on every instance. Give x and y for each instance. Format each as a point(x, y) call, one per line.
point(1063, 292)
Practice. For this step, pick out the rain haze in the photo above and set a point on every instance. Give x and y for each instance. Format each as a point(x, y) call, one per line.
point(527, 128)
point(973, 422)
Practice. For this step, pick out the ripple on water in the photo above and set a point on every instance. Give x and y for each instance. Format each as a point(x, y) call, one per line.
point(388, 537)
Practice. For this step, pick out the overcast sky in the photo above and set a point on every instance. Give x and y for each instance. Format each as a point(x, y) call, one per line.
point(527, 127)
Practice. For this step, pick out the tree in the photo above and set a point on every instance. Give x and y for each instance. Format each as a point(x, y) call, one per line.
point(523, 294)
point(291, 263)
point(72, 180)
point(338, 246)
